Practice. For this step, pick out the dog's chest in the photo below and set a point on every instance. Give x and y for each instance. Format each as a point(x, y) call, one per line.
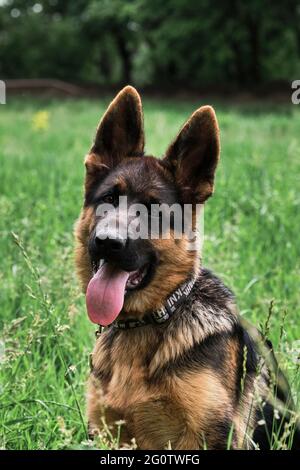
point(148, 408)
point(123, 368)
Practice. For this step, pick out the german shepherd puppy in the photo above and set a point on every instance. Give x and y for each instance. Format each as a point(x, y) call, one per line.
point(173, 361)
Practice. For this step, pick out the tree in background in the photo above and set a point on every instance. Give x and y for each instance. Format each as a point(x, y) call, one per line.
point(161, 43)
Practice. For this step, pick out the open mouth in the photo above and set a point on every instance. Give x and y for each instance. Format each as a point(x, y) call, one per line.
point(135, 278)
point(107, 290)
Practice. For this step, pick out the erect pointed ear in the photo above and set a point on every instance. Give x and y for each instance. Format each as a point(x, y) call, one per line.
point(194, 155)
point(120, 132)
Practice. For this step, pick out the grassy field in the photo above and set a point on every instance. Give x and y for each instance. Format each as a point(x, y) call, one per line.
point(251, 240)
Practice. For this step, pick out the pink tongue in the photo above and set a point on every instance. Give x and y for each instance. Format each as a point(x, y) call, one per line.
point(105, 294)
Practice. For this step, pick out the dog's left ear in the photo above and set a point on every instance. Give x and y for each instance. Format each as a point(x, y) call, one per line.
point(194, 155)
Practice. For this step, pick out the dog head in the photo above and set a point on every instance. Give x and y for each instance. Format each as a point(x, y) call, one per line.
point(133, 248)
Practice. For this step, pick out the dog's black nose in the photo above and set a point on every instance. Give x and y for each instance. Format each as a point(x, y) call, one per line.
point(111, 244)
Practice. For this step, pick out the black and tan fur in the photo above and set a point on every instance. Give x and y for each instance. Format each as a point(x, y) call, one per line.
point(192, 381)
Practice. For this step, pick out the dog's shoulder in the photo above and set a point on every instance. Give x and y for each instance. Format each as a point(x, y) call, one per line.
point(210, 288)
point(206, 321)
point(211, 304)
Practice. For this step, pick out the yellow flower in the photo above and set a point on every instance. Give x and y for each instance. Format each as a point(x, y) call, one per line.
point(40, 121)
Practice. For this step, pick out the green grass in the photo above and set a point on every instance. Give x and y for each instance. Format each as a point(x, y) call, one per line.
point(252, 241)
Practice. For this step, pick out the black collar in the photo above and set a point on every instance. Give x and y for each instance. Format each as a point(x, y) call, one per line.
point(163, 314)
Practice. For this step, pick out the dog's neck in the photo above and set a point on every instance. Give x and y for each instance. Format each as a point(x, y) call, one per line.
point(174, 272)
point(163, 314)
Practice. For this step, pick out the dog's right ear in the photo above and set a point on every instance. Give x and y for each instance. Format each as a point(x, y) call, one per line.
point(119, 134)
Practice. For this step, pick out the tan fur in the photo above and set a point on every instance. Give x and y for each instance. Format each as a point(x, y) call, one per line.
point(170, 273)
point(185, 338)
point(182, 411)
point(200, 396)
point(82, 258)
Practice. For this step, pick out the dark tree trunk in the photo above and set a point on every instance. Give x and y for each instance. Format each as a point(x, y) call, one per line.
point(125, 56)
point(297, 33)
point(105, 65)
point(241, 77)
point(255, 51)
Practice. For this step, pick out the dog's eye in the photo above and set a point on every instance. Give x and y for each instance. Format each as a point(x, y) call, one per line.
point(108, 198)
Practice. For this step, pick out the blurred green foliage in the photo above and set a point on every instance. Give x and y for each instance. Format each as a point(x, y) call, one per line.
point(159, 42)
